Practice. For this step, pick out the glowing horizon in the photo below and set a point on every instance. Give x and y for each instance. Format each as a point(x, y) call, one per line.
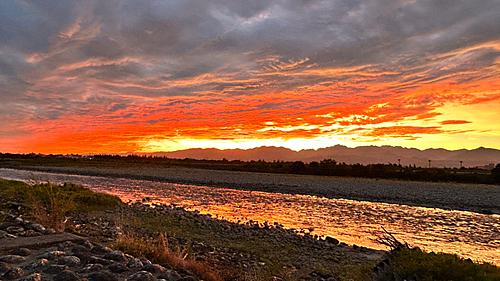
point(115, 76)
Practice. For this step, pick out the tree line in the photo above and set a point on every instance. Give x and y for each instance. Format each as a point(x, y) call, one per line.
point(326, 167)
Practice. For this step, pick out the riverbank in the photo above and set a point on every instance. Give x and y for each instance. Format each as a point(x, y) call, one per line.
point(223, 250)
point(195, 246)
point(483, 199)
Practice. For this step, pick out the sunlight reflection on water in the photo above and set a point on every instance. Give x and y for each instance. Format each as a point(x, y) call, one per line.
point(467, 234)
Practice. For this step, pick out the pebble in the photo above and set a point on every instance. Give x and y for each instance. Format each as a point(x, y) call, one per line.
point(116, 256)
point(332, 240)
point(48, 231)
point(101, 250)
point(14, 273)
point(14, 229)
point(118, 268)
point(65, 246)
point(52, 255)
point(38, 264)
point(93, 267)
point(55, 268)
point(12, 258)
point(4, 234)
point(21, 252)
point(170, 276)
point(102, 276)
point(135, 263)
point(32, 277)
point(4, 267)
point(141, 276)
point(153, 268)
point(99, 260)
point(66, 275)
point(70, 261)
point(36, 227)
point(30, 233)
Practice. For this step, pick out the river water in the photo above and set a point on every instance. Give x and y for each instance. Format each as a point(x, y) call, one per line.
point(467, 234)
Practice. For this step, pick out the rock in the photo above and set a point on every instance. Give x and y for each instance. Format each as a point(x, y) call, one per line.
point(32, 277)
point(153, 268)
point(65, 246)
point(12, 258)
point(135, 263)
point(170, 276)
point(332, 240)
point(55, 269)
point(102, 276)
point(30, 233)
point(93, 267)
point(5, 234)
point(80, 249)
point(4, 267)
point(38, 264)
point(116, 256)
point(21, 252)
point(87, 244)
point(14, 229)
point(83, 256)
point(189, 278)
point(52, 255)
point(141, 276)
point(66, 275)
point(101, 250)
point(48, 231)
point(36, 227)
point(14, 273)
point(118, 268)
point(129, 257)
point(11, 221)
point(69, 261)
point(99, 260)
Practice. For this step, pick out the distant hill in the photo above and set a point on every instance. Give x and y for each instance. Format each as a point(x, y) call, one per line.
point(363, 155)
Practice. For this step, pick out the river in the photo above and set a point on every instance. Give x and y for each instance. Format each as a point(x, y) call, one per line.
point(467, 234)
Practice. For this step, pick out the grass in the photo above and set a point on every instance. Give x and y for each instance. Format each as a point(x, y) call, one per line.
point(49, 203)
point(158, 251)
point(441, 267)
point(411, 263)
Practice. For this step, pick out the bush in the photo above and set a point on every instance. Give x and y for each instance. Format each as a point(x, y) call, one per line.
point(436, 267)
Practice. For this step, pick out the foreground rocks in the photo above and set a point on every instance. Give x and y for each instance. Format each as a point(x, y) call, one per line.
point(71, 260)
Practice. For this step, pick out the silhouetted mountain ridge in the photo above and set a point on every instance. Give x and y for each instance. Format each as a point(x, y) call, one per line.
point(362, 154)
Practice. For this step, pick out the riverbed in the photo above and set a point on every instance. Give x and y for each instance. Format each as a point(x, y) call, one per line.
point(468, 234)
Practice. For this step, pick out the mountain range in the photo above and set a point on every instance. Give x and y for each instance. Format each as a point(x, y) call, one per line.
point(362, 154)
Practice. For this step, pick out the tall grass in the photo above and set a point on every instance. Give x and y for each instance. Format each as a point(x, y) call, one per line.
point(157, 250)
point(49, 203)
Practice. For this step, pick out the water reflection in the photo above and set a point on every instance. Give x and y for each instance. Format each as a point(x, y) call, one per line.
point(467, 234)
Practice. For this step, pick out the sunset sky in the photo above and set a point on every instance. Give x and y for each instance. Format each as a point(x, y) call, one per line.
point(115, 76)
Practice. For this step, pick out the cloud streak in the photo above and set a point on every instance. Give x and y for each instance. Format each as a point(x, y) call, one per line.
point(112, 76)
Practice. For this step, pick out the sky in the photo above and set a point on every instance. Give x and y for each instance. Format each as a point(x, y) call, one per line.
point(116, 76)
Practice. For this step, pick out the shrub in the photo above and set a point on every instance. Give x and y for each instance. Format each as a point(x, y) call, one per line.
point(436, 267)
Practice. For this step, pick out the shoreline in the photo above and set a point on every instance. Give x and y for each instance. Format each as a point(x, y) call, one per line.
point(483, 199)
